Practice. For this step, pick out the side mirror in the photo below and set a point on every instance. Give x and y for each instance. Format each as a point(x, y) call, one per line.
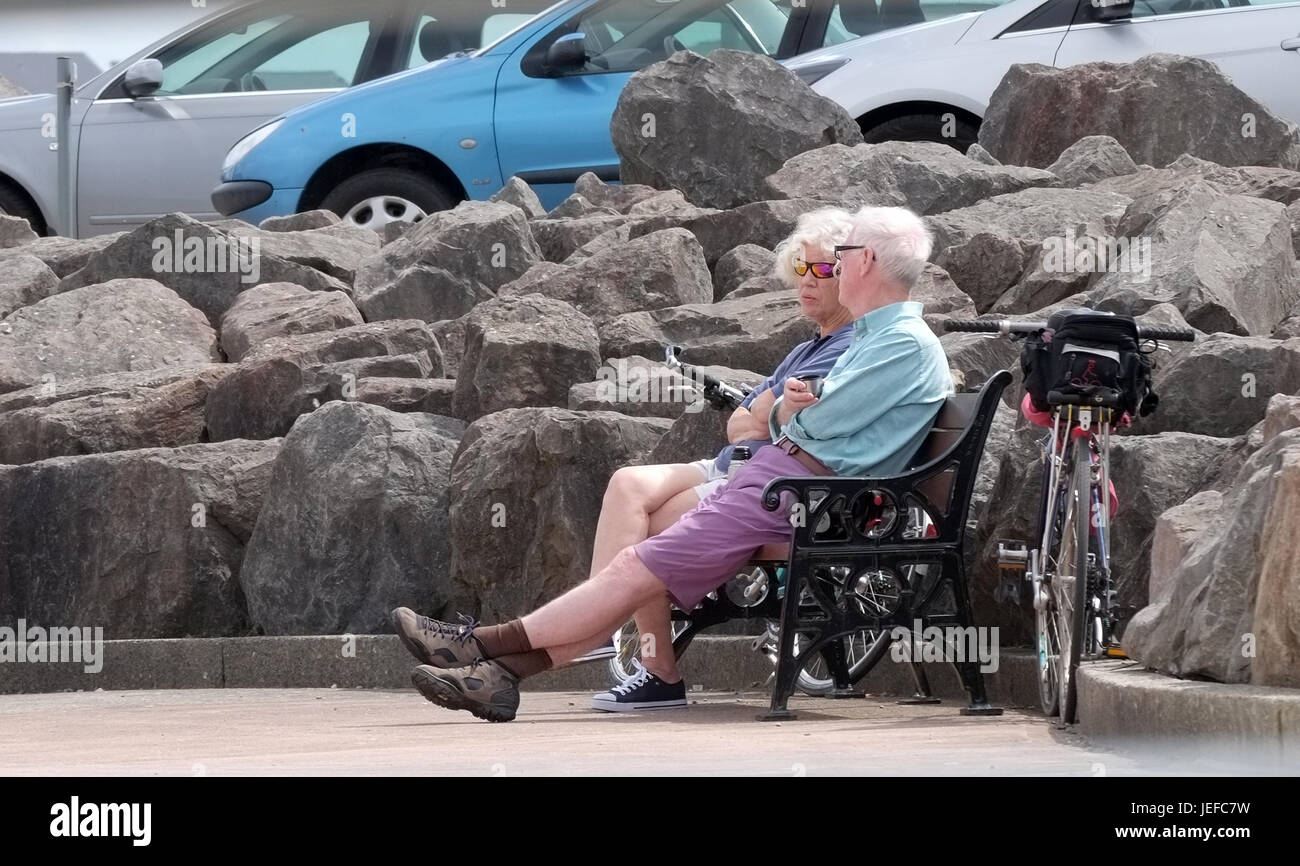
point(567, 53)
point(1111, 10)
point(143, 78)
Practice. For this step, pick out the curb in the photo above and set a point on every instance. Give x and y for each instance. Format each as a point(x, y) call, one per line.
point(713, 663)
point(1124, 704)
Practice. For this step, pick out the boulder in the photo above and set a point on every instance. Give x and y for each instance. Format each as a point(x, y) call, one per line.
point(940, 298)
point(113, 412)
point(1293, 215)
point(1037, 111)
point(740, 264)
point(298, 222)
point(117, 326)
point(1153, 187)
point(335, 250)
point(526, 491)
point(451, 337)
point(355, 522)
point(523, 351)
point(282, 309)
point(677, 123)
point(924, 176)
point(149, 543)
point(559, 239)
point(403, 394)
point(753, 333)
point(285, 377)
point(1090, 159)
point(24, 280)
point(765, 223)
point(206, 266)
point(979, 154)
point(576, 206)
point(62, 255)
point(448, 263)
point(648, 389)
point(990, 247)
point(623, 197)
point(978, 356)
point(611, 239)
point(521, 195)
point(760, 285)
point(1222, 385)
point(662, 269)
point(15, 231)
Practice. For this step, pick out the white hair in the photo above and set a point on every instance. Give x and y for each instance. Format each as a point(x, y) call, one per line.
point(824, 227)
point(900, 240)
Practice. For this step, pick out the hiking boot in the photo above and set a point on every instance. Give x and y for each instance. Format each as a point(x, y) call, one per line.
point(641, 691)
point(437, 643)
point(484, 688)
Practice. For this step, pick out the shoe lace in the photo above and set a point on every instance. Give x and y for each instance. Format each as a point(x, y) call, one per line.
point(459, 632)
point(638, 679)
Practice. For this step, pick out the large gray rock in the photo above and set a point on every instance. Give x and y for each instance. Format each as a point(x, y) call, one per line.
point(297, 222)
point(1090, 159)
point(355, 522)
point(1293, 214)
point(978, 356)
point(610, 239)
point(24, 280)
point(62, 255)
point(623, 197)
point(523, 351)
point(940, 298)
point(285, 377)
point(576, 206)
point(753, 333)
point(526, 491)
point(402, 394)
point(663, 269)
point(648, 389)
point(765, 223)
point(335, 250)
point(740, 264)
point(117, 326)
point(279, 310)
point(206, 265)
point(1222, 385)
point(1037, 111)
point(15, 231)
point(1225, 608)
point(448, 263)
point(1151, 188)
point(924, 176)
point(990, 247)
point(559, 239)
point(518, 193)
point(147, 544)
point(113, 412)
point(678, 121)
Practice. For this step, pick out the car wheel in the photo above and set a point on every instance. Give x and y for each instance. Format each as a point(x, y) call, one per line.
point(375, 198)
point(924, 127)
point(14, 203)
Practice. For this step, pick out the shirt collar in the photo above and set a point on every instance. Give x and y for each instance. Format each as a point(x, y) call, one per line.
point(817, 336)
point(882, 316)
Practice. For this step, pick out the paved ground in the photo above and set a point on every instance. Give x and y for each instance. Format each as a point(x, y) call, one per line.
point(333, 732)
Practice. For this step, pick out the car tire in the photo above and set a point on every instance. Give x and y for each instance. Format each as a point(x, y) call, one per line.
point(374, 198)
point(923, 127)
point(14, 203)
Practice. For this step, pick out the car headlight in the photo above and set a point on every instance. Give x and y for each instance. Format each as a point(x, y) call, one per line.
point(247, 143)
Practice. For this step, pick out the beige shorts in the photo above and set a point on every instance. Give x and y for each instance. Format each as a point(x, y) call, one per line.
point(713, 479)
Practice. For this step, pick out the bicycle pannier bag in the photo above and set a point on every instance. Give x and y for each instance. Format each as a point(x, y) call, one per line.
point(1089, 358)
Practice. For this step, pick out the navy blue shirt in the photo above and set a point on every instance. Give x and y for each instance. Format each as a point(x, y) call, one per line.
point(813, 358)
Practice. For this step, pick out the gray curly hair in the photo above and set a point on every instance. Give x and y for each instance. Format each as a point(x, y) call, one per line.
point(825, 226)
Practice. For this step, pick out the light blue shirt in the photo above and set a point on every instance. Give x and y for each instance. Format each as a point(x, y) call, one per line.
point(879, 400)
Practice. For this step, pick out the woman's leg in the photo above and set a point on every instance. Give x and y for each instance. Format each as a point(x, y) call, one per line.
point(633, 495)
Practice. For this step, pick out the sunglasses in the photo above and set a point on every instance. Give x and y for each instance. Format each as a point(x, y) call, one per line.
point(821, 270)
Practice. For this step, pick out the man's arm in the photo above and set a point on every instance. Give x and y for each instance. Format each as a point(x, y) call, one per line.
point(751, 423)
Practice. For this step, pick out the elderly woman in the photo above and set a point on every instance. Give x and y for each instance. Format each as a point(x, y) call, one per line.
point(642, 501)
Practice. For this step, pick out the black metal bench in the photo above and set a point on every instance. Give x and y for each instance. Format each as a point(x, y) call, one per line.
point(871, 553)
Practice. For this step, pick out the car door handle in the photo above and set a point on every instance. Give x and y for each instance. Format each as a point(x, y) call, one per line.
point(1292, 44)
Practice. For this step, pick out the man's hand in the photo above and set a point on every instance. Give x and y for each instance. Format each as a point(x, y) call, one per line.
point(796, 396)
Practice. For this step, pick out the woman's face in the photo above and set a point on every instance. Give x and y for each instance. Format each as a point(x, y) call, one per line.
point(818, 297)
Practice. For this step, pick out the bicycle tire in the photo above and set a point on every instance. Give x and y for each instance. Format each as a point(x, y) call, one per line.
point(1081, 489)
point(814, 686)
point(1047, 639)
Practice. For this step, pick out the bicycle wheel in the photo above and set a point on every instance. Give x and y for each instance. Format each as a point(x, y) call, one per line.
point(627, 649)
point(862, 650)
point(1072, 600)
point(1055, 519)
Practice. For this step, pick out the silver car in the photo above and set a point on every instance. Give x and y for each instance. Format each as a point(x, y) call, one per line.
point(149, 135)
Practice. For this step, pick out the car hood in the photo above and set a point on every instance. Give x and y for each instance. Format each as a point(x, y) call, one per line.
point(25, 112)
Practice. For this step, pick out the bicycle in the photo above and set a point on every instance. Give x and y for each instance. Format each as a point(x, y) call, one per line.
point(1075, 617)
point(750, 588)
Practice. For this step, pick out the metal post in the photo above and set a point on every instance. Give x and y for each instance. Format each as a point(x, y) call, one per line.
point(67, 75)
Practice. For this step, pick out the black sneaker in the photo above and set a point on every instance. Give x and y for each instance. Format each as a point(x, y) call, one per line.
point(605, 651)
point(641, 691)
point(484, 687)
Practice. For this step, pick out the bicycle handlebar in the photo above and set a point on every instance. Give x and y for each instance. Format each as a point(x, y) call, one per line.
point(719, 394)
point(1006, 326)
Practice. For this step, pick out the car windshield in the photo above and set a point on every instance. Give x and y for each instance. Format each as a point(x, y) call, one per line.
point(521, 25)
point(628, 34)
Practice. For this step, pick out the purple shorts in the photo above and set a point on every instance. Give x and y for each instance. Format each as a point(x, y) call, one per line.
point(709, 544)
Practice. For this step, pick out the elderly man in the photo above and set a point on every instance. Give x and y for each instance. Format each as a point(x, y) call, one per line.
point(876, 406)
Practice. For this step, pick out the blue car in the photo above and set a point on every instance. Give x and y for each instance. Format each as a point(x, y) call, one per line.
point(535, 102)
